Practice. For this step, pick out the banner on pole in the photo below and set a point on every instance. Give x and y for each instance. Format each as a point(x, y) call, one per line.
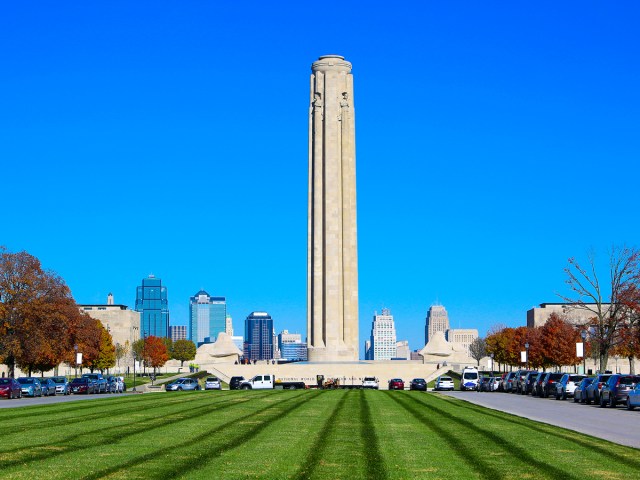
point(580, 349)
point(523, 356)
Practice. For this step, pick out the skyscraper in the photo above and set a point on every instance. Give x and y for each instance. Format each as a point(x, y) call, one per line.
point(383, 336)
point(258, 336)
point(151, 301)
point(177, 332)
point(207, 317)
point(332, 258)
point(291, 346)
point(437, 321)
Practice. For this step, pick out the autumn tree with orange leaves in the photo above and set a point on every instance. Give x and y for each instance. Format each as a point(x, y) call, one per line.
point(154, 352)
point(34, 328)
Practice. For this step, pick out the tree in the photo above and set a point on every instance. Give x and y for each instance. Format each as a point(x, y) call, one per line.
point(155, 352)
point(106, 355)
point(122, 351)
point(558, 340)
point(604, 302)
point(36, 312)
point(477, 349)
point(183, 350)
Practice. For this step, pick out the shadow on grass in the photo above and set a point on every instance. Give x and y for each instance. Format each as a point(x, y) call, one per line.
point(459, 448)
point(509, 447)
point(188, 462)
point(319, 446)
point(564, 434)
point(375, 463)
point(80, 414)
point(113, 434)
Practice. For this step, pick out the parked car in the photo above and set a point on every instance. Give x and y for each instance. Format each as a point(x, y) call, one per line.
point(593, 390)
point(566, 387)
point(484, 384)
point(48, 387)
point(83, 385)
point(633, 397)
point(518, 380)
point(536, 389)
point(10, 388)
point(62, 385)
point(419, 384)
point(99, 379)
point(370, 382)
point(30, 386)
point(579, 394)
point(616, 389)
point(182, 384)
point(113, 384)
point(396, 384)
point(527, 383)
point(549, 382)
point(234, 383)
point(444, 382)
point(469, 378)
point(508, 382)
point(494, 384)
point(212, 383)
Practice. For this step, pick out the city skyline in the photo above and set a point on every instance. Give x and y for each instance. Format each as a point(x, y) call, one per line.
point(489, 143)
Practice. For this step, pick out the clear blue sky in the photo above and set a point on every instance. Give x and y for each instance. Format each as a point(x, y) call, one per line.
point(494, 141)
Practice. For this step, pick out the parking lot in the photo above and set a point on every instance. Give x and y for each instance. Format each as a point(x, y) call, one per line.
point(616, 425)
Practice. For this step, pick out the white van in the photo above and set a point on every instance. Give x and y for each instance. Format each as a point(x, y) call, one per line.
point(469, 378)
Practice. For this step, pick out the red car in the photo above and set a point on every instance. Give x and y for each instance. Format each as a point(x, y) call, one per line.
point(396, 384)
point(9, 388)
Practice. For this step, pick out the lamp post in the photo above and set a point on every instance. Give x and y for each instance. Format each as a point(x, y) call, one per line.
point(526, 347)
point(75, 360)
point(492, 367)
point(583, 334)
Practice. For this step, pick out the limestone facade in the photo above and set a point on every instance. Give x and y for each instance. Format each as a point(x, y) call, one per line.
point(538, 316)
point(332, 261)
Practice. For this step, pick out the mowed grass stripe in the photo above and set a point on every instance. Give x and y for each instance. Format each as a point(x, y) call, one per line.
point(408, 448)
point(104, 433)
point(607, 450)
point(318, 446)
point(487, 433)
point(189, 451)
point(375, 465)
point(461, 448)
point(544, 454)
point(281, 449)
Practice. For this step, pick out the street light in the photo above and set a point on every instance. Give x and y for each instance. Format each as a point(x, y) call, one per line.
point(492, 367)
point(526, 347)
point(75, 360)
point(583, 334)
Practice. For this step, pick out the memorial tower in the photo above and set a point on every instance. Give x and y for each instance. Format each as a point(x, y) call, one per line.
point(332, 263)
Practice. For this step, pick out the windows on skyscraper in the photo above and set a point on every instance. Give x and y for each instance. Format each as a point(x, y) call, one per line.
point(151, 301)
point(258, 336)
point(207, 317)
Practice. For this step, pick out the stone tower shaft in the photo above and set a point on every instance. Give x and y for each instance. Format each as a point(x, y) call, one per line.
point(332, 273)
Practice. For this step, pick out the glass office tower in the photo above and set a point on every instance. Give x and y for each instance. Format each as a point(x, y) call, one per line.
point(151, 301)
point(258, 336)
point(207, 317)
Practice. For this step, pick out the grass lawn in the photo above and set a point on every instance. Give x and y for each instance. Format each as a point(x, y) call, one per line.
point(348, 434)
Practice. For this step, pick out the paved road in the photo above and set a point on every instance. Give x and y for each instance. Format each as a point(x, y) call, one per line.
point(616, 425)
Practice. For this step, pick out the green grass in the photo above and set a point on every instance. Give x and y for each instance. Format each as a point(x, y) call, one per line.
point(342, 434)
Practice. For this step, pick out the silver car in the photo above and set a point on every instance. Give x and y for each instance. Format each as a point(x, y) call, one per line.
point(212, 383)
point(63, 387)
point(182, 384)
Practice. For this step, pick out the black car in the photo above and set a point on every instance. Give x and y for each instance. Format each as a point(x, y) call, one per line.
point(234, 383)
point(617, 388)
point(592, 393)
point(418, 384)
point(536, 389)
point(528, 382)
point(549, 382)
